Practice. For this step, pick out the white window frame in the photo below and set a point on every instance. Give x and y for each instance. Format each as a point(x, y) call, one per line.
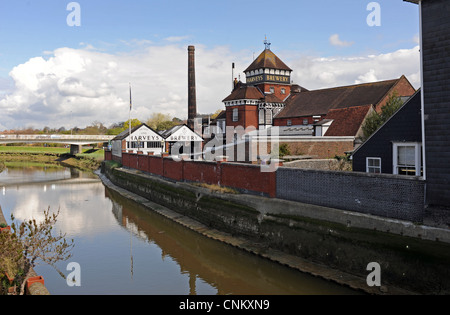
point(268, 117)
point(261, 117)
point(235, 114)
point(373, 167)
point(417, 156)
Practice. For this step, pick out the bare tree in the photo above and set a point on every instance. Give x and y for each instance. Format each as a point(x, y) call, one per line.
point(38, 245)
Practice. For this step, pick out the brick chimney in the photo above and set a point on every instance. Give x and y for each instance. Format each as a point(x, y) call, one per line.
point(192, 101)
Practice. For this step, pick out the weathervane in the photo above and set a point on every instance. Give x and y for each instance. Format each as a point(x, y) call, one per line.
point(267, 43)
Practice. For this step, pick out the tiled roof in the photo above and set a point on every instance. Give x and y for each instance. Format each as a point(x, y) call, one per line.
point(268, 60)
point(245, 92)
point(222, 115)
point(126, 132)
point(347, 121)
point(319, 102)
point(249, 92)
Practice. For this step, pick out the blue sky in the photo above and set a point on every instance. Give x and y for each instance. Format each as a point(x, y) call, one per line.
point(231, 30)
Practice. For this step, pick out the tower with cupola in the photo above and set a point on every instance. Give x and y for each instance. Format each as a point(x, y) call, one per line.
point(257, 101)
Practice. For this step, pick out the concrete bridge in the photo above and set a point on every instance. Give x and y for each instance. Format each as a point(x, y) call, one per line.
point(75, 142)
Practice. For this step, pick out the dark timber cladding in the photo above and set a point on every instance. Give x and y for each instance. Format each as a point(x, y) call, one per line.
point(436, 89)
point(192, 102)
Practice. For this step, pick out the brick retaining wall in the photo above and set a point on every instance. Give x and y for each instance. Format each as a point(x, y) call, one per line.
point(393, 196)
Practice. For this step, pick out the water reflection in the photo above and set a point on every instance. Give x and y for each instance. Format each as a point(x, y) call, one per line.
point(123, 248)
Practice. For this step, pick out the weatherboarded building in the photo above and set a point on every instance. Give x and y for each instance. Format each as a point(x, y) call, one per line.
point(435, 57)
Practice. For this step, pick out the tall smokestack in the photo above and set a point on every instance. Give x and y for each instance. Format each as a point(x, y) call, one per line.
point(192, 101)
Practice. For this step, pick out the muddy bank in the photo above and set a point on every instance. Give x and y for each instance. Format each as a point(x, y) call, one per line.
point(83, 163)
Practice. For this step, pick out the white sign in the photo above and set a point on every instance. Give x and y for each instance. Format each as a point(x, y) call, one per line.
point(144, 134)
point(184, 134)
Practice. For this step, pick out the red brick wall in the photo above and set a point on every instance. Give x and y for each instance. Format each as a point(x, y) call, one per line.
point(248, 116)
point(248, 177)
point(277, 89)
point(173, 169)
point(403, 88)
point(240, 176)
point(155, 165)
point(108, 155)
point(203, 172)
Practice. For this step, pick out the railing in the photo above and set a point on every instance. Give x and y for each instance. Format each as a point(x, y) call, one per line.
point(56, 137)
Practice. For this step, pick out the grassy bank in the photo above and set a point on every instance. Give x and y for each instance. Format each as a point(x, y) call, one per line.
point(89, 159)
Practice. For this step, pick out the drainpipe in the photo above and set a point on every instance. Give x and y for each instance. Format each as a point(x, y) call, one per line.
point(422, 96)
point(422, 93)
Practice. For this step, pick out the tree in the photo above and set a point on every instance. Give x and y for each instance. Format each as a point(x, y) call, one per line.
point(134, 123)
point(375, 120)
point(165, 125)
point(156, 119)
point(32, 243)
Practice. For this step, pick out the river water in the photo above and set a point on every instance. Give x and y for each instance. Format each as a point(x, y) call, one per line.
point(123, 248)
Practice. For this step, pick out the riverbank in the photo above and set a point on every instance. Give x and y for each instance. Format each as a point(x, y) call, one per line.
point(315, 240)
point(88, 160)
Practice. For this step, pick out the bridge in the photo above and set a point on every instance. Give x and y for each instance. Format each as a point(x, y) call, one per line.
point(75, 141)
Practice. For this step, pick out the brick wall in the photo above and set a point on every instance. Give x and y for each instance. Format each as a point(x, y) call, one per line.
point(248, 116)
point(247, 177)
point(402, 88)
point(392, 196)
point(244, 177)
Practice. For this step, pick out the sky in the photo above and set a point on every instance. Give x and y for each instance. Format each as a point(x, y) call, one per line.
point(71, 63)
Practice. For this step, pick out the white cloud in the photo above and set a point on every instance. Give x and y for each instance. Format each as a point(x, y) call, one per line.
point(318, 72)
point(174, 39)
point(75, 87)
point(336, 41)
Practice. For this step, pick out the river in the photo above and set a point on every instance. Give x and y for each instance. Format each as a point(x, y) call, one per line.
point(123, 248)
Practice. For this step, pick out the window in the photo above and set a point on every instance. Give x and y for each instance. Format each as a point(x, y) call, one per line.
point(407, 159)
point(305, 121)
point(154, 145)
point(268, 117)
point(283, 91)
point(272, 89)
point(289, 122)
point(373, 165)
point(135, 145)
point(235, 114)
point(261, 116)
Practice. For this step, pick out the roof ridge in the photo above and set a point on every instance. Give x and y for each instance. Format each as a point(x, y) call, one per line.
point(354, 85)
